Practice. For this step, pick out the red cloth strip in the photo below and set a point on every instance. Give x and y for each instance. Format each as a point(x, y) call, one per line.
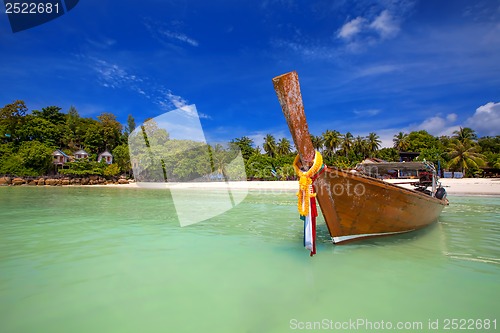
point(314, 213)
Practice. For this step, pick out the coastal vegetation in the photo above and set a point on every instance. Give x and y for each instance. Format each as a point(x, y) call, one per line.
point(462, 151)
point(28, 139)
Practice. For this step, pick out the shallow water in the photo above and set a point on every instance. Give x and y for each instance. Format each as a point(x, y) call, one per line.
point(116, 260)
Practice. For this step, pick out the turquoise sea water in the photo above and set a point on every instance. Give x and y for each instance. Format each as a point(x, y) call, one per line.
point(116, 260)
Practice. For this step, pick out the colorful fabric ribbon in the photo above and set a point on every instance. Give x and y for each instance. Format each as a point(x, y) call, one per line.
point(310, 227)
point(306, 203)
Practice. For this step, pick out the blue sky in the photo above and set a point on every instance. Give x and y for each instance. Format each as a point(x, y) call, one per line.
point(364, 66)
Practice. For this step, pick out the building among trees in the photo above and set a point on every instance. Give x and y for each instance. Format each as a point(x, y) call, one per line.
point(106, 156)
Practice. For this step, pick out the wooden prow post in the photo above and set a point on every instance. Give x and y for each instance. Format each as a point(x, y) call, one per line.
point(288, 90)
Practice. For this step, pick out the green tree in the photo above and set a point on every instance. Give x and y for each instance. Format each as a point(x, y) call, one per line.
point(81, 135)
point(245, 145)
point(342, 162)
point(40, 129)
point(84, 167)
point(434, 155)
point(464, 134)
point(401, 142)
point(111, 170)
point(388, 154)
point(420, 140)
point(14, 165)
point(52, 114)
point(464, 156)
point(33, 158)
point(497, 164)
point(444, 142)
point(219, 158)
point(269, 145)
point(360, 147)
point(332, 140)
point(36, 156)
point(373, 143)
point(490, 148)
point(154, 134)
point(111, 130)
point(130, 124)
point(71, 137)
point(93, 138)
point(11, 119)
point(490, 144)
point(121, 157)
point(346, 144)
point(185, 160)
point(260, 167)
point(317, 142)
point(6, 154)
point(284, 147)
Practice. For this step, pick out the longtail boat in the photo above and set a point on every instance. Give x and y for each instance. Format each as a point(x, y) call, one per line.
point(356, 204)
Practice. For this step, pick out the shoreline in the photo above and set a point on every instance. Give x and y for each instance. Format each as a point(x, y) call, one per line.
point(462, 187)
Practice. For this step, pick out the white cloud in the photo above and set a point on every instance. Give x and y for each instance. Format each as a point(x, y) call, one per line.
point(432, 125)
point(101, 43)
point(180, 103)
point(386, 25)
point(182, 124)
point(486, 119)
point(258, 140)
point(369, 30)
point(114, 76)
point(166, 35)
point(351, 28)
point(179, 36)
point(117, 77)
point(386, 136)
point(306, 48)
point(452, 117)
point(377, 70)
point(177, 101)
point(367, 113)
point(438, 125)
point(258, 137)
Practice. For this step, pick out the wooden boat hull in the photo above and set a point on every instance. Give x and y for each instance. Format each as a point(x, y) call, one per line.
point(356, 206)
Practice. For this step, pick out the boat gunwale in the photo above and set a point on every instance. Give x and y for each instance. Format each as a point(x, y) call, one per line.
point(381, 183)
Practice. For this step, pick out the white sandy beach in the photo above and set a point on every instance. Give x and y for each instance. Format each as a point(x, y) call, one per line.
point(472, 186)
point(464, 186)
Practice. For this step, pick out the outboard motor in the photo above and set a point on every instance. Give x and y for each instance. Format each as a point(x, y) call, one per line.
point(440, 193)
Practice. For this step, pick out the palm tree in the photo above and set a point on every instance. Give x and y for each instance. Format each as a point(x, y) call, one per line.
point(360, 146)
point(332, 140)
point(464, 156)
point(346, 143)
point(497, 164)
point(373, 142)
point(269, 145)
point(219, 157)
point(401, 142)
point(465, 134)
point(245, 144)
point(317, 142)
point(284, 147)
point(257, 151)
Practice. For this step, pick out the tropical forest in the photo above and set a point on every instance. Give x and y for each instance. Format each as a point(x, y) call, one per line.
point(29, 138)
